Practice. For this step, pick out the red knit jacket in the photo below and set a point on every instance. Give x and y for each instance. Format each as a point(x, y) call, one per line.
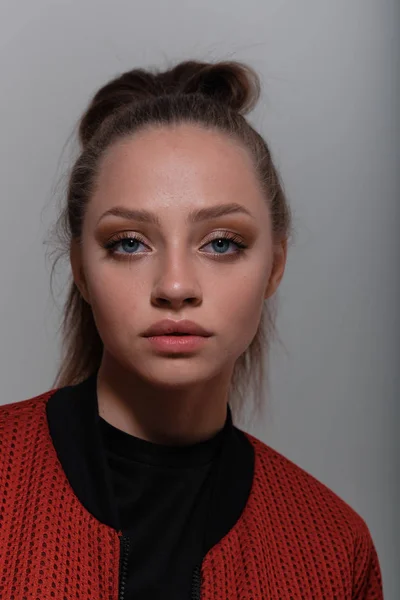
point(295, 538)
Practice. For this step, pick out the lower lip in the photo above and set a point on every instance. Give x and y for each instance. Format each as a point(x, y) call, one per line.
point(177, 343)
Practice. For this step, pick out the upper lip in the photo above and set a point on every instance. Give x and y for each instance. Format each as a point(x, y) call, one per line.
point(168, 326)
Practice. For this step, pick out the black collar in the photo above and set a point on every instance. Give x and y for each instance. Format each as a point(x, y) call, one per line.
point(73, 418)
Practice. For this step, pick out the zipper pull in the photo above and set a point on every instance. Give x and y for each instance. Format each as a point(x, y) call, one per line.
point(196, 583)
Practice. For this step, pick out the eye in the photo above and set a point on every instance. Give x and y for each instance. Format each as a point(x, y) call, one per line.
point(225, 239)
point(126, 244)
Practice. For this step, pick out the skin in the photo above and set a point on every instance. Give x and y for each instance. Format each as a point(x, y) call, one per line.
point(176, 272)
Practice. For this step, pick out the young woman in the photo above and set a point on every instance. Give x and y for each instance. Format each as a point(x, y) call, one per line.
point(129, 479)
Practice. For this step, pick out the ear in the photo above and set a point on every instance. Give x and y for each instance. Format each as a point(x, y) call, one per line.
point(75, 256)
point(278, 268)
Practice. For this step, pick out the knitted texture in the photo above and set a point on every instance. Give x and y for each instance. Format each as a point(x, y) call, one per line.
point(295, 538)
point(51, 547)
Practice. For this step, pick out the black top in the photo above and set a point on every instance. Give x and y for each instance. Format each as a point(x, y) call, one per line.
point(156, 496)
point(162, 495)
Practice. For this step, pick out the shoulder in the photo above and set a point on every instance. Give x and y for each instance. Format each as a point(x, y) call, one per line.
point(298, 510)
point(23, 428)
point(16, 412)
point(304, 494)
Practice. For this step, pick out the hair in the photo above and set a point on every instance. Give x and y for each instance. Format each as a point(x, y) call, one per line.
point(216, 96)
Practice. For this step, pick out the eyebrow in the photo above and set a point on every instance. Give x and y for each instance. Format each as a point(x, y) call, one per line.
point(195, 216)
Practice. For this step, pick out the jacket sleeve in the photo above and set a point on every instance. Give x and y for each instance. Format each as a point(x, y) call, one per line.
point(367, 581)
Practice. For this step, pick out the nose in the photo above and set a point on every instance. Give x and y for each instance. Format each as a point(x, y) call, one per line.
point(177, 284)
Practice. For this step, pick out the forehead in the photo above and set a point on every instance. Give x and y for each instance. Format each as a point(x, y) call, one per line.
point(185, 163)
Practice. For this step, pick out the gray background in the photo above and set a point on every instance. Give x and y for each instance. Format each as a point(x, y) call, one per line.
point(330, 71)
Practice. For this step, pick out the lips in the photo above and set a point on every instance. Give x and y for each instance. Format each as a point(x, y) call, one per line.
point(170, 327)
point(180, 334)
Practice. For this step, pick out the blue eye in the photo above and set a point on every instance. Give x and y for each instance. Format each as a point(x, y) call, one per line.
point(128, 244)
point(225, 242)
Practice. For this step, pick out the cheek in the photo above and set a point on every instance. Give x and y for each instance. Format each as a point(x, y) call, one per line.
point(241, 306)
point(114, 301)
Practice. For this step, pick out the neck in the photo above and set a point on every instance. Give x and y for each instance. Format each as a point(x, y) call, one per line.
point(168, 416)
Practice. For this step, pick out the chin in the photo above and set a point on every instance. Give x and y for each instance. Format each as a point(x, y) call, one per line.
point(174, 373)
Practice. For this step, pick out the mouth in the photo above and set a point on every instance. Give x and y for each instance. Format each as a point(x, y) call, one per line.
point(171, 328)
point(177, 343)
point(176, 333)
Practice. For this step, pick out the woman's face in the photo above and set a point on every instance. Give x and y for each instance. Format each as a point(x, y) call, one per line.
point(176, 269)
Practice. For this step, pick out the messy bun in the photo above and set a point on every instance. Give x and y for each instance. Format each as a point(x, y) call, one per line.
point(231, 84)
point(215, 96)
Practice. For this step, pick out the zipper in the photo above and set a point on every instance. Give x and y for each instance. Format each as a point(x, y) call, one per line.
point(123, 573)
point(125, 544)
point(196, 583)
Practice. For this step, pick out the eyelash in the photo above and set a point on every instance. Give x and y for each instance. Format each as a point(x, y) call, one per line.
point(224, 235)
